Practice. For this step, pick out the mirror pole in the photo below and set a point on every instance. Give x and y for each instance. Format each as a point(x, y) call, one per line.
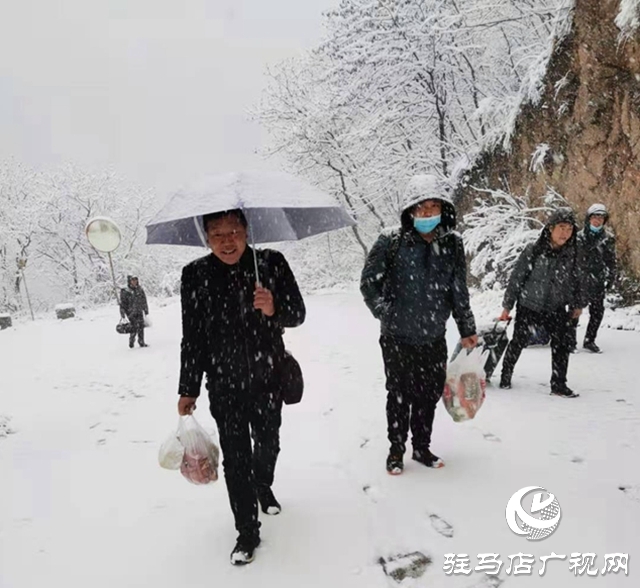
point(24, 281)
point(113, 276)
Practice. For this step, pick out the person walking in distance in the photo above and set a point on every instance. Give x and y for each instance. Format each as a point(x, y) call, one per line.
point(597, 248)
point(133, 306)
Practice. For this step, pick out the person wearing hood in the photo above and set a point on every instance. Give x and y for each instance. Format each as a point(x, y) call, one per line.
point(232, 327)
point(598, 257)
point(414, 278)
point(133, 305)
point(546, 285)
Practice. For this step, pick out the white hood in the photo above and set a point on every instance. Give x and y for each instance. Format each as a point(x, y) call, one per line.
point(597, 209)
point(424, 187)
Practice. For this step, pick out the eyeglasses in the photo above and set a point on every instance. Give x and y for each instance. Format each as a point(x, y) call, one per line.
point(220, 237)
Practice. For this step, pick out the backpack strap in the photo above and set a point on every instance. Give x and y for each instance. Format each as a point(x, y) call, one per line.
point(392, 250)
point(390, 262)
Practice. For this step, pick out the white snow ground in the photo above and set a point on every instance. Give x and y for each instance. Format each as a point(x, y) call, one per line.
point(83, 502)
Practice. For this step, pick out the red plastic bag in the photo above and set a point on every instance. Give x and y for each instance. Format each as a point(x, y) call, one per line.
point(201, 454)
point(466, 384)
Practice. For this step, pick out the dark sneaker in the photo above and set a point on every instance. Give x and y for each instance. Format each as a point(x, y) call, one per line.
point(564, 392)
point(505, 383)
point(244, 551)
point(395, 465)
point(591, 346)
point(425, 457)
point(268, 502)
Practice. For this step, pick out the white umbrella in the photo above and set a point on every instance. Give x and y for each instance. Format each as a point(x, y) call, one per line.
point(278, 207)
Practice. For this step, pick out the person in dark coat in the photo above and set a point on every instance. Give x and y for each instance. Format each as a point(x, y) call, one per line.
point(546, 285)
point(414, 278)
point(232, 332)
point(133, 305)
point(598, 256)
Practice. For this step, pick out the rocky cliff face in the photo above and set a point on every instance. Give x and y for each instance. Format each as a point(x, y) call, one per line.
point(583, 137)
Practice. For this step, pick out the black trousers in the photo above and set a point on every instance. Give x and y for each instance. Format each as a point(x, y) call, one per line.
point(558, 325)
point(596, 314)
point(243, 417)
point(137, 324)
point(415, 381)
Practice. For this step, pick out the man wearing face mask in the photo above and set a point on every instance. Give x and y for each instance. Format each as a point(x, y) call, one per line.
point(414, 278)
point(598, 255)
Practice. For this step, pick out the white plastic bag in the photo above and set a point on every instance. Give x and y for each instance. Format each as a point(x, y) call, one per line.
point(171, 452)
point(200, 460)
point(464, 389)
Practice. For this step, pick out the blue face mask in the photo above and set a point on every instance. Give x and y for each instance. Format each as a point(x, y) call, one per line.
point(596, 229)
point(426, 225)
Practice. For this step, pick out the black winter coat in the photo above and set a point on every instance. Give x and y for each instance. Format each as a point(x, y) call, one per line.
point(598, 258)
point(546, 279)
point(414, 286)
point(133, 302)
point(222, 334)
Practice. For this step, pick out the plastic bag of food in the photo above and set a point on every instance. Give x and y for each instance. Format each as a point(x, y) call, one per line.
point(201, 454)
point(171, 452)
point(466, 384)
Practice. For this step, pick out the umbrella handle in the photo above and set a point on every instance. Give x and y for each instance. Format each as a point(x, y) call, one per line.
point(255, 256)
point(255, 264)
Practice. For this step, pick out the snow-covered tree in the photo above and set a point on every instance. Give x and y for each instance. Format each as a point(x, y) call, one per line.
point(43, 215)
point(400, 87)
point(499, 228)
point(20, 201)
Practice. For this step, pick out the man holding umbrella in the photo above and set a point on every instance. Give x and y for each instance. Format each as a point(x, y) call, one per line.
point(232, 325)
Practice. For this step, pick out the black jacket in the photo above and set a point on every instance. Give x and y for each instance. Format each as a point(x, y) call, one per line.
point(133, 302)
point(598, 258)
point(222, 334)
point(414, 286)
point(546, 279)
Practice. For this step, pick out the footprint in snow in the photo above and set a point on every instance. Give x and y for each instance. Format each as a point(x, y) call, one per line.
point(632, 492)
point(372, 493)
point(364, 443)
point(441, 526)
point(491, 437)
point(402, 566)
